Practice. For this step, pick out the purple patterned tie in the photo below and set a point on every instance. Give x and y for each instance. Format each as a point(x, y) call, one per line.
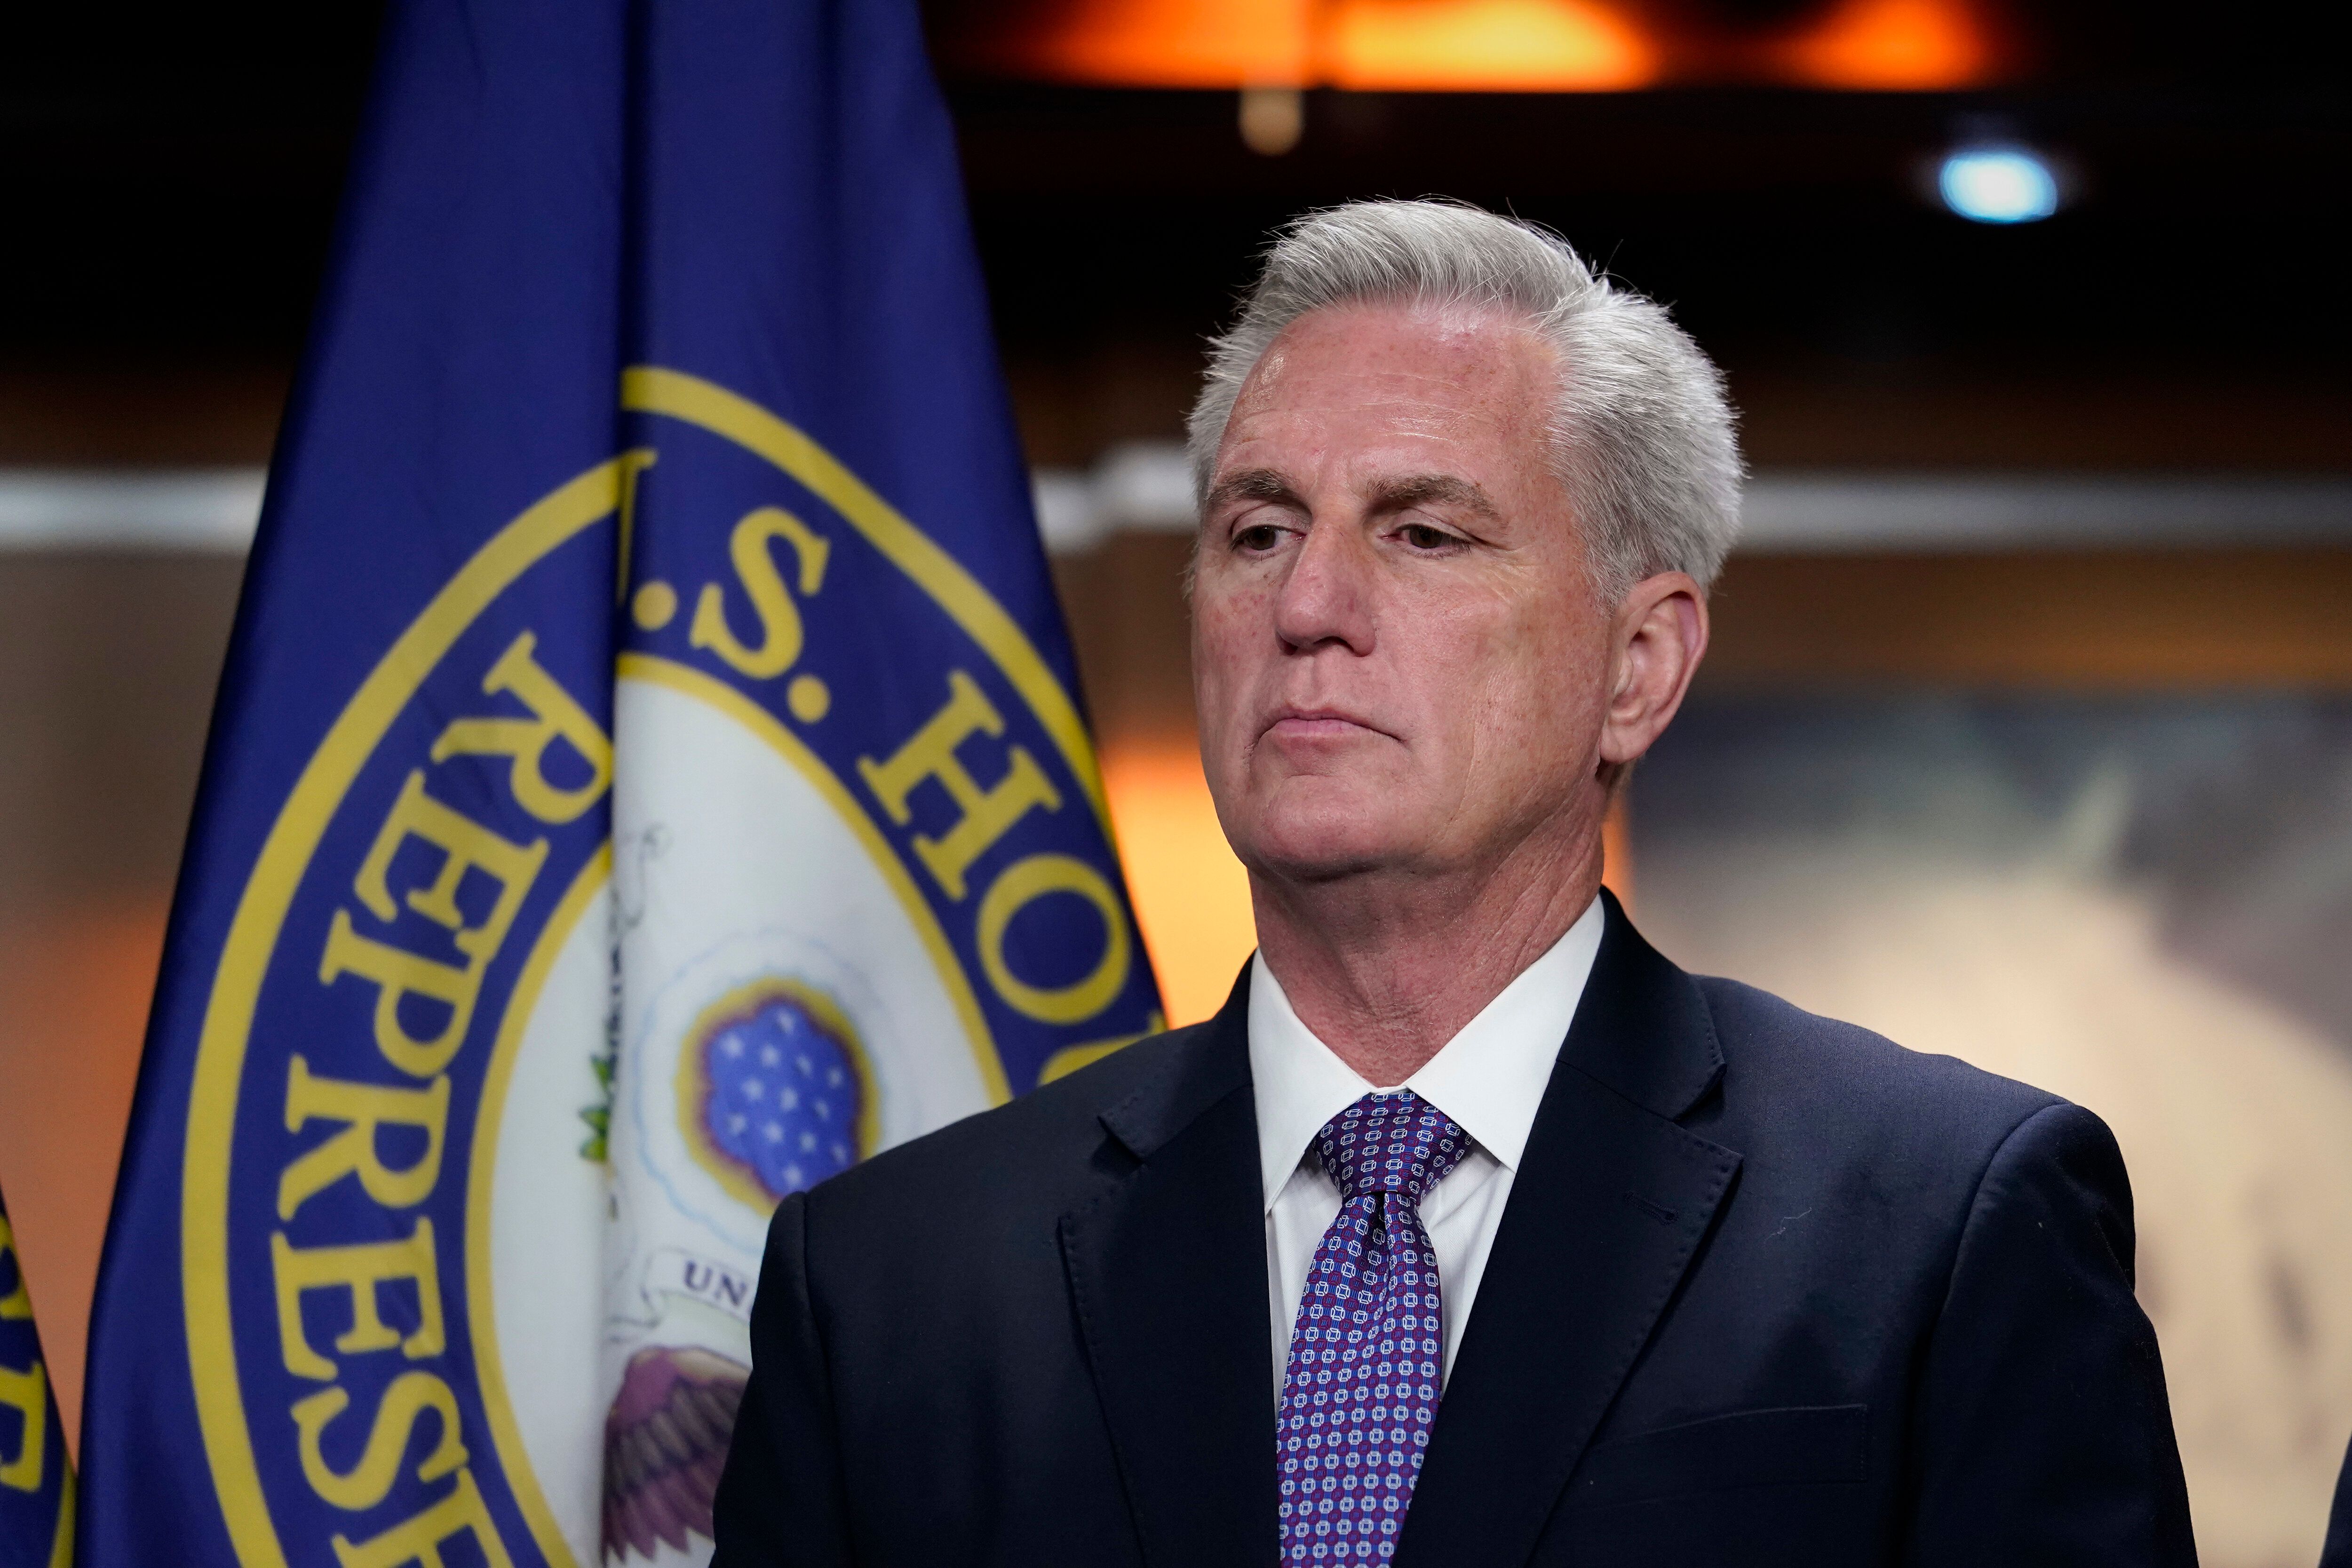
point(1360, 1393)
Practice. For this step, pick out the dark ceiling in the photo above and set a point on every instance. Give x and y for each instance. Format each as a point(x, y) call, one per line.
point(169, 179)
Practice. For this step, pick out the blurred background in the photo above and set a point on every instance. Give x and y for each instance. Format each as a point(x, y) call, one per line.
point(2027, 734)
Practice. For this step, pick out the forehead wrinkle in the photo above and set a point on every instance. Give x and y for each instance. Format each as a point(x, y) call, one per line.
point(1432, 395)
point(1484, 340)
point(1415, 401)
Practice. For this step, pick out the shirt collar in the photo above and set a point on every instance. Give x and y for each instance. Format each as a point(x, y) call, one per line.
point(1489, 1077)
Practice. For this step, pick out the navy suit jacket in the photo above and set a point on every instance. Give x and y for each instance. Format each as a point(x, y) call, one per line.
point(1770, 1289)
point(2337, 1551)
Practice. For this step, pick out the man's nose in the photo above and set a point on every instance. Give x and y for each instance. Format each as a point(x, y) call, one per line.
point(1328, 597)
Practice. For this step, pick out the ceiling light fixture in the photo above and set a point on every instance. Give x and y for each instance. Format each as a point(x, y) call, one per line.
point(1998, 183)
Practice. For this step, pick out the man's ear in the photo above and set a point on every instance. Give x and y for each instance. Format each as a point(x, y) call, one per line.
point(1659, 634)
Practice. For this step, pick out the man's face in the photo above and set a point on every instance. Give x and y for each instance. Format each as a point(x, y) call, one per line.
point(1399, 657)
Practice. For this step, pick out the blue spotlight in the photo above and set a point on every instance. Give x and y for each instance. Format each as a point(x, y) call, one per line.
point(1998, 184)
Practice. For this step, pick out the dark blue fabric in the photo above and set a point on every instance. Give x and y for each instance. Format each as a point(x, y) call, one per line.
point(829, 264)
point(2337, 1551)
point(462, 360)
point(760, 197)
point(36, 1470)
point(1769, 1290)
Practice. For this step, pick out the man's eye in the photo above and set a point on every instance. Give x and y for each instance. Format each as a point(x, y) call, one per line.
point(1259, 537)
point(1421, 536)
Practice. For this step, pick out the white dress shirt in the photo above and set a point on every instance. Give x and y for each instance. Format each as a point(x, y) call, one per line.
point(1489, 1079)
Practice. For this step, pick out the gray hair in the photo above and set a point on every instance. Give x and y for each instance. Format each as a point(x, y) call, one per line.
point(1642, 434)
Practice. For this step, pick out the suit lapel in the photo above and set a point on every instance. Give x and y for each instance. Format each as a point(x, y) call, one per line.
point(1609, 1205)
point(1168, 1279)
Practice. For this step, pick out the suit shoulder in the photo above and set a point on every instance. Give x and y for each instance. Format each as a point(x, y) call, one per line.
point(1840, 1075)
point(1049, 1132)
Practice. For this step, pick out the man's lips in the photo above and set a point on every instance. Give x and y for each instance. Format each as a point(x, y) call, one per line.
point(1317, 723)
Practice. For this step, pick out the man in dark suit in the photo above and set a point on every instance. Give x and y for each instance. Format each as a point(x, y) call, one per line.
point(1471, 1231)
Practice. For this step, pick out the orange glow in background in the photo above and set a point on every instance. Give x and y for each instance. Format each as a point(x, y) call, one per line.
point(1499, 46)
point(1895, 45)
point(1160, 42)
point(1191, 897)
point(73, 984)
point(1527, 46)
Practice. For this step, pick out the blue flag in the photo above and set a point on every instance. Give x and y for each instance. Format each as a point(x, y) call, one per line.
point(647, 779)
point(36, 1483)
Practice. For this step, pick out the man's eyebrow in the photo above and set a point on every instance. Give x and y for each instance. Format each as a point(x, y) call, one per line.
point(1250, 484)
point(1430, 489)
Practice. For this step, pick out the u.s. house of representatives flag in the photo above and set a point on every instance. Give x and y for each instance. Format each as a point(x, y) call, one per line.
point(37, 1484)
point(647, 779)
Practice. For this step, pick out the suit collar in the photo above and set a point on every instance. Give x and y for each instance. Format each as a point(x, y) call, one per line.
point(1489, 1077)
point(1639, 1026)
point(1643, 1029)
point(1609, 1206)
point(1215, 1064)
point(1167, 1285)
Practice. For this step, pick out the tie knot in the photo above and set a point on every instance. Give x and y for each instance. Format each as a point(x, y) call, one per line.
point(1390, 1143)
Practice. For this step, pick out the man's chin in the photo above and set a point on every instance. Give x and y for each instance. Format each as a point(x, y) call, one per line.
point(1327, 847)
